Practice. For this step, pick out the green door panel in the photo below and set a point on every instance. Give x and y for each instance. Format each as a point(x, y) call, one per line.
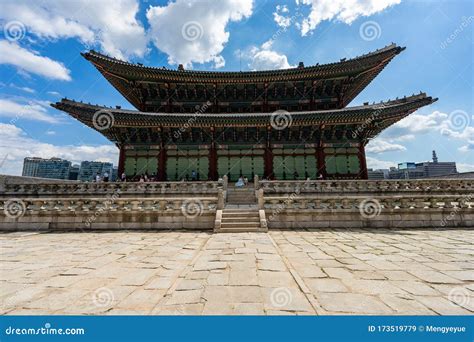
point(341, 164)
point(203, 168)
point(130, 166)
point(258, 166)
point(330, 161)
point(152, 167)
point(278, 167)
point(354, 164)
point(311, 166)
point(142, 164)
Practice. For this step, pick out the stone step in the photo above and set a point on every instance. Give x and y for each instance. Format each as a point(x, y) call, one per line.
point(251, 220)
point(240, 210)
point(240, 230)
point(243, 225)
point(240, 213)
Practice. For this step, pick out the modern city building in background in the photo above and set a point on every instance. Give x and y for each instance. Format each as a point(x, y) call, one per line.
point(411, 170)
point(55, 168)
point(89, 170)
point(74, 172)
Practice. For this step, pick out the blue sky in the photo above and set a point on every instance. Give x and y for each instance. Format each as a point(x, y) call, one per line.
point(40, 62)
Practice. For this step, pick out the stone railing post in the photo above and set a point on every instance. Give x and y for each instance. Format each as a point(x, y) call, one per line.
point(256, 182)
point(260, 199)
point(220, 199)
point(225, 181)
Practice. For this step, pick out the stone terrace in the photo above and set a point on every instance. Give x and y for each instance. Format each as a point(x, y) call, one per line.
point(336, 271)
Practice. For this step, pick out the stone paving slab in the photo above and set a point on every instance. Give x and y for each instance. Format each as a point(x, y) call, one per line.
point(304, 272)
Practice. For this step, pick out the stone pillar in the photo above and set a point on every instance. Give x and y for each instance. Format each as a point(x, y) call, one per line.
point(260, 200)
point(225, 182)
point(220, 199)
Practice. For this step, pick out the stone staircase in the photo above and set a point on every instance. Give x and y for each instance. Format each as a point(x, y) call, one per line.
point(241, 213)
point(241, 196)
point(236, 220)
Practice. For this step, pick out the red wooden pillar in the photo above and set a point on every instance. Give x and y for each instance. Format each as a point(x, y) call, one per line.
point(320, 160)
point(162, 158)
point(320, 156)
point(121, 162)
point(162, 163)
point(363, 162)
point(213, 158)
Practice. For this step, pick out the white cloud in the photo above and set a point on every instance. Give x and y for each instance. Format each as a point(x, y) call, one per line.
point(343, 10)
point(436, 122)
point(264, 58)
point(373, 163)
point(282, 20)
point(34, 110)
point(462, 167)
point(380, 145)
point(419, 123)
point(11, 53)
point(195, 31)
point(15, 145)
point(25, 89)
point(112, 24)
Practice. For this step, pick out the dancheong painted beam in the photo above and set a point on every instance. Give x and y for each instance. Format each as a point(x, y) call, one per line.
point(306, 144)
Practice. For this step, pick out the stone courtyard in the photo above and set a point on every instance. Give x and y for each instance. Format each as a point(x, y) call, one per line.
point(304, 272)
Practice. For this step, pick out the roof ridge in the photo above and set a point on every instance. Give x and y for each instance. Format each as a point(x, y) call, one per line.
point(96, 54)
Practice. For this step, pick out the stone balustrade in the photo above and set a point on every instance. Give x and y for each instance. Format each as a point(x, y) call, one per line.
point(111, 213)
point(196, 205)
point(377, 210)
point(460, 186)
point(357, 202)
point(81, 189)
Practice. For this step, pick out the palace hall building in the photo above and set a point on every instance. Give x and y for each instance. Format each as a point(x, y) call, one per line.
point(278, 124)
